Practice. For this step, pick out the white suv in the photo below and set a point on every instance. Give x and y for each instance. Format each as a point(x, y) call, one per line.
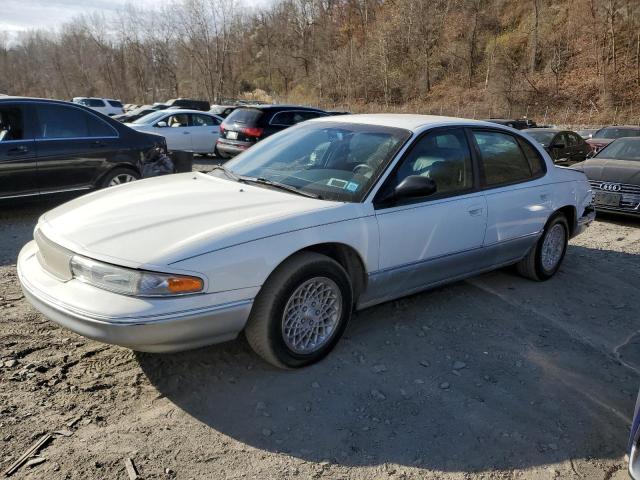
point(107, 106)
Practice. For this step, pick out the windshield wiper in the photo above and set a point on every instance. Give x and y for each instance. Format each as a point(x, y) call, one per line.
point(281, 186)
point(227, 172)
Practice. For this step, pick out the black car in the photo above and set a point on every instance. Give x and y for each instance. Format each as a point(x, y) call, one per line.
point(518, 124)
point(189, 104)
point(50, 146)
point(564, 146)
point(614, 175)
point(223, 110)
point(247, 125)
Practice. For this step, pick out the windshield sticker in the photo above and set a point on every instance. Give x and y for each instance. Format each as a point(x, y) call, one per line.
point(352, 186)
point(336, 182)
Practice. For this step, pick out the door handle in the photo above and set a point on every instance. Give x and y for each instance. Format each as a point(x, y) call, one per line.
point(186, 133)
point(476, 210)
point(17, 150)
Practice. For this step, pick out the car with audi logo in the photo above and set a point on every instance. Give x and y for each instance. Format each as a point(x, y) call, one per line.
point(614, 175)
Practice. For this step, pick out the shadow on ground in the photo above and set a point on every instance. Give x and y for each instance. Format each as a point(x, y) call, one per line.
point(493, 373)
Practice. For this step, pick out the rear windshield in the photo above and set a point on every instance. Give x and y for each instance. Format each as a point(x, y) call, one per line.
point(115, 103)
point(543, 138)
point(247, 116)
point(91, 102)
point(617, 132)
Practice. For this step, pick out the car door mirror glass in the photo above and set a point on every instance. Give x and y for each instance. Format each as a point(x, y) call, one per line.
point(161, 124)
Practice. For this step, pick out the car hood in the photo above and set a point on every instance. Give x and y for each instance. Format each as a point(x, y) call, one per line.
point(609, 170)
point(166, 219)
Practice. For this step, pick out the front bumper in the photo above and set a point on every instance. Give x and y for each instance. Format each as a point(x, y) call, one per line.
point(585, 220)
point(143, 324)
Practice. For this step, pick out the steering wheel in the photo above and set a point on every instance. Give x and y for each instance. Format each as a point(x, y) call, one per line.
point(362, 169)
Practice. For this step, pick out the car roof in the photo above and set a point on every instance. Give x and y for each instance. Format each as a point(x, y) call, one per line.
point(278, 107)
point(173, 111)
point(554, 130)
point(403, 120)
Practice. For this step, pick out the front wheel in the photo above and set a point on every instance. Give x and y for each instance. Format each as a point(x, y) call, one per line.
point(301, 311)
point(119, 176)
point(543, 261)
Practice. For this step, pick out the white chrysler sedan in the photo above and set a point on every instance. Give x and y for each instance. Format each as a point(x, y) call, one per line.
point(287, 239)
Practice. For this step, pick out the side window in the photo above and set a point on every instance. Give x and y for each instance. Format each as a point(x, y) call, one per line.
point(283, 118)
point(177, 121)
point(11, 124)
point(502, 159)
point(203, 121)
point(309, 115)
point(99, 128)
point(574, 140)
point(60, 121)
point(443, 157)
point(536, 162)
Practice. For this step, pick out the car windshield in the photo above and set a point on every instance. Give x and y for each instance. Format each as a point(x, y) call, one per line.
point(622, 149)
point(542, 137)
point(150, 118)
point(335, 161)
point(616, 132)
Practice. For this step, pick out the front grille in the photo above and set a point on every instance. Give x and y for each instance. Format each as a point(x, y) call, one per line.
point(53, 258)
point(630, 194)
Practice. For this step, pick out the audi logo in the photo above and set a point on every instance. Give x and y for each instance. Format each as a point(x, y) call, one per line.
point(610, 187)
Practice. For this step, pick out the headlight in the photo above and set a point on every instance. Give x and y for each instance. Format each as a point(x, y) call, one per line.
point(132, 282)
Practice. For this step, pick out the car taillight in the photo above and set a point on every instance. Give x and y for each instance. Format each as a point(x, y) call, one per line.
point(221, 129)
point(252, 131)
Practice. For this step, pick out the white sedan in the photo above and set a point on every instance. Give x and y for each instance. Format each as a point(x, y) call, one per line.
point(288, 238)
point(190, 130)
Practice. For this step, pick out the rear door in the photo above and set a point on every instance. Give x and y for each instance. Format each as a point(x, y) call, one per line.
point(17, 151)
point(72, 145)
point(205, 132)
point(518, 199)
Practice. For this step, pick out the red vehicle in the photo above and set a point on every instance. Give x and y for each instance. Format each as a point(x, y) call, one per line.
point(606, 135)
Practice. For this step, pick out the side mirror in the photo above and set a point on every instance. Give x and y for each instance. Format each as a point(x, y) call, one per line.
point(161, 124)
point(414, 186)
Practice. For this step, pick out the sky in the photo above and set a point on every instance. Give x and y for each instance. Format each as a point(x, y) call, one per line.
point(20, 15)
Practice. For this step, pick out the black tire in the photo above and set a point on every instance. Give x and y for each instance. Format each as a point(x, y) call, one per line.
point(118, 172)
point(264, 330)
point(532, 265)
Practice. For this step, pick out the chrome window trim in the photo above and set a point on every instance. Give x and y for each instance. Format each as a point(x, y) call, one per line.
point(48, 192)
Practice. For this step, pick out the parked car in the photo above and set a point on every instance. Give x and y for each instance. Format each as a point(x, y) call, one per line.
point(606, 135)
point(564, 146)
point(135, 114)
point(49, 147)
point(107, 106)
point(518, 124)
point(247, 125)
point(222, 111)
point(586, 133)
point(188, 103)
point(189, 130)
point(287, 239)
point(614, 174)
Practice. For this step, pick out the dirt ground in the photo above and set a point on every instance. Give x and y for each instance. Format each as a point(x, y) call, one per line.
point(493, 377)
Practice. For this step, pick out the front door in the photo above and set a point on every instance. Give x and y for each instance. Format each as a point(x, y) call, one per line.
point(17, 152)
point(177, 130)
point(436, 238)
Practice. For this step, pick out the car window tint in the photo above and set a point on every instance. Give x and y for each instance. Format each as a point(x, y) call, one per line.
point(535, 160)
point(99, 128)
point(11, 124)
point(501, 158)
point(284, 118)
point(178, 121)
point(203, 121)
point(575, 139)
point(443, 157)
point(115, 103)
point(247, 116)
point(309, 115)
point(60, 121)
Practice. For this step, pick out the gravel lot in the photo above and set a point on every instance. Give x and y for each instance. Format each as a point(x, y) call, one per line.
point(493, 377)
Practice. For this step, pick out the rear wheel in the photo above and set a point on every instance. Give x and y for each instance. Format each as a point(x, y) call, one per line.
point(119, 176)
point(301, 311)
point(543, 261)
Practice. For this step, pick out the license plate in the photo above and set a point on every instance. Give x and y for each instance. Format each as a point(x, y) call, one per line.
point(608, 199)
point(232, 135)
